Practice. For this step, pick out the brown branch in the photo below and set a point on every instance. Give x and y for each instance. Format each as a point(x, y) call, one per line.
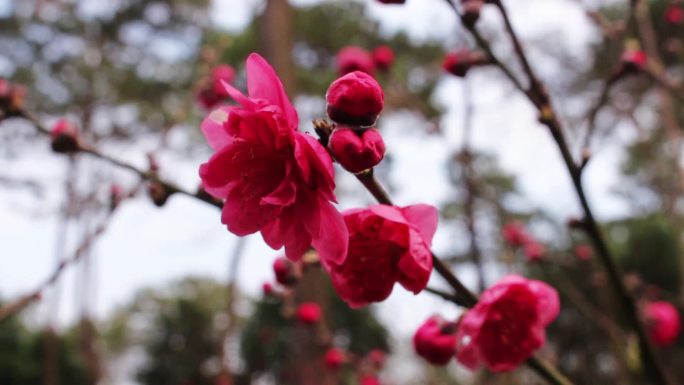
point(539, 97)
point(150, 176)
point(463, 295)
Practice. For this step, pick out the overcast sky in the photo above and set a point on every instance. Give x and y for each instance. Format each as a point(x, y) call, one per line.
point(148, 246)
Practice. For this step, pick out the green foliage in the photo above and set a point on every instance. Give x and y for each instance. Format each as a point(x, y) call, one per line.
point(22, 356)
point(176, 328)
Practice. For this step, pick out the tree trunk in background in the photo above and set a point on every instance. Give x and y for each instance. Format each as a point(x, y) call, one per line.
point(311, 341)
point(277, 41)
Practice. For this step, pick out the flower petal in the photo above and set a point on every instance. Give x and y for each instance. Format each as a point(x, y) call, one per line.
point(424, 219)
point(264, 83)
point(329, 234)
point(213, 129)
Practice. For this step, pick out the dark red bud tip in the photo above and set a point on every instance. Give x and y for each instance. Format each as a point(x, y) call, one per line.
point(64, 137)
point(285, 271)
point(158, 193)
point(392, 1)
point(471, 11)
point(355, 99)
point(356, 150)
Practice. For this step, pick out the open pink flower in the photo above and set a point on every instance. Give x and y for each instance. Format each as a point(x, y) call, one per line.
point(664, 324)
point(274, 179)
point(507, 325)
point(387, 245)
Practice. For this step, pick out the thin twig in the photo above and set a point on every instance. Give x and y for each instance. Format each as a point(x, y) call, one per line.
point(539, 97)
point(150, 176)
point(36, 294)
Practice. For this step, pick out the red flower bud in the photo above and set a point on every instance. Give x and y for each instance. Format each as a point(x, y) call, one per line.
point(355, 99)
point(458, 63)
point(334, 358)
point(514, 234)
point(377, 358)
point(285, 271)
point(357, 151)
point(392, 1)
point(674, 15)
point(471, 11)
point(583, 252)
point(634, 60)
point(534, 251)
point(64, 136)
point(309, 313)
point(435, 340)
point(664, 323)
point(267, 289)
point(116, 195)
point(383, 56)
point(352, 58)
point(212, 92)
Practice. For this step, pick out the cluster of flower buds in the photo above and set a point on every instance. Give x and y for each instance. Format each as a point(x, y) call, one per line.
point(12, 98)
point(64, 137)
point(459, 62)
point(212, 92)
point(515, 235)
point(504, 329)
point(352, 58)
point(664, 323)
point(354, 103)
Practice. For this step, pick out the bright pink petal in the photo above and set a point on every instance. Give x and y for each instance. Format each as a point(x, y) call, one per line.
point(213, 130)
point(289, 231)
point(548, 304)
point(264, 83)
point(238, 96)
point(244, 214)
point(284, 194)
point(315, 165)
point(391, 213)
point(424, 219)
point(329, 235)
point(416, 264)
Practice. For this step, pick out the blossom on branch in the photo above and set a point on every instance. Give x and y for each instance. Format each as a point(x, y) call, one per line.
point(435, 340)
point(507, 325)
point(274, 178)
point(387, 245)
